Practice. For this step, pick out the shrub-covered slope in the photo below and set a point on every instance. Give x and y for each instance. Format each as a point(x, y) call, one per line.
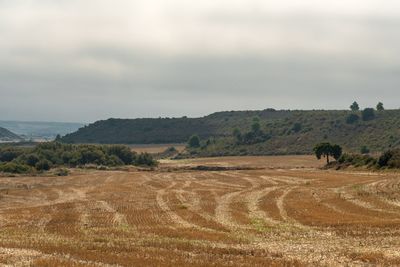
point(284, 132)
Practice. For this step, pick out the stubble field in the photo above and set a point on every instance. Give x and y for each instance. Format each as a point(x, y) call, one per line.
point(259, 211)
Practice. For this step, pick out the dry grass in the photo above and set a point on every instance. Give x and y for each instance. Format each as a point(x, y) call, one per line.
point(155, 148)
point(287, 214)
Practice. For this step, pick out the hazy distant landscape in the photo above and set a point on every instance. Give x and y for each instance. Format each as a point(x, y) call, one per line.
point(43, 131)
point(8, 136)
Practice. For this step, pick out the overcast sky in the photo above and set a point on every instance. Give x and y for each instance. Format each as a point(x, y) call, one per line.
point(84, 60)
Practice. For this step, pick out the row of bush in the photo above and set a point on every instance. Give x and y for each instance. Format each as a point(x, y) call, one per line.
point(389, 159)
point(48, 155)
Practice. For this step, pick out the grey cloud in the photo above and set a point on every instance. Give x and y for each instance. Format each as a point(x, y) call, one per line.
point(199, 85)
point(216, 60)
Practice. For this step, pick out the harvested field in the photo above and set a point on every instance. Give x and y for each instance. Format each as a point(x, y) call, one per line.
point(284, 212)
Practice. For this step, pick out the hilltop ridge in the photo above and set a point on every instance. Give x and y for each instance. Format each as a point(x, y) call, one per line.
point(285, 131)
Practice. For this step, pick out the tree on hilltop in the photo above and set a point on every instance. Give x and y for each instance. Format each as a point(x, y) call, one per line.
point(355, 106)
point(380, 107)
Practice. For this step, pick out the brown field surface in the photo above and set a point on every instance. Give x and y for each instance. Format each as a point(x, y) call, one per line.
point(156, 148)
point(284, 212)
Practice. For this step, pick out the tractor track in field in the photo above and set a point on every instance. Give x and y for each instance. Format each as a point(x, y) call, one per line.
point(283, 216)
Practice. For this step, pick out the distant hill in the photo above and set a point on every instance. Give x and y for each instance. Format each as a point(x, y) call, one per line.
point(285, 132)
point(40, 130)
point(7, 136)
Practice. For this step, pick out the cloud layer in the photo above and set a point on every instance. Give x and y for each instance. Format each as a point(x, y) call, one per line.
point(93, 59)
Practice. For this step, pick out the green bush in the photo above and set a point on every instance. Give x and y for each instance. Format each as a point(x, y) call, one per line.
point(357, 160)
point(297, 127)
point(368, 114)
point(364, 150)
point(47, 155)
point(145, 159)
point(32, 159)
point(113, 160)
point(352, 118)
point(43, 165)
point(124, 153)
point(390, 159)
point(8, 154)
point(194, 141)
point(13, 167)
point(255, 127)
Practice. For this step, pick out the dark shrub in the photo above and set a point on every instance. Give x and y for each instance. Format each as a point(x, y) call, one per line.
point(390, 159)
point(364, 150)
point(255, 127)
point(32, 159)
point(384, 158)
point(297, 127)
point(194, 141)
point(67, 156)
point(43, 165)
point(46, 155)
point(8, 154)
point(124, 153)
point(113, 160)
point(368, 114)
point(145, 159)
point(91, 155)
point(352, 118)
point(357, 160)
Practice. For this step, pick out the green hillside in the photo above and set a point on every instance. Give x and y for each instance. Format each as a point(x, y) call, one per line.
point(7, 136)
point(283, 132)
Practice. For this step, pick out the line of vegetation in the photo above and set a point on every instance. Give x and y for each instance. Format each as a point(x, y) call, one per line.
point(45, 156)
point(264, 132)
point(271, 132)
point(387, 160)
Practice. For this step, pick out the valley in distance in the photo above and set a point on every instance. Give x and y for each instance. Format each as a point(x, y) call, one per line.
point(238, 188)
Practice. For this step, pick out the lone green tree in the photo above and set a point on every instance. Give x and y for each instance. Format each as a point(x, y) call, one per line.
point(194, 141)
point(380, 107)
point(355, 106)
point(327, 150)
